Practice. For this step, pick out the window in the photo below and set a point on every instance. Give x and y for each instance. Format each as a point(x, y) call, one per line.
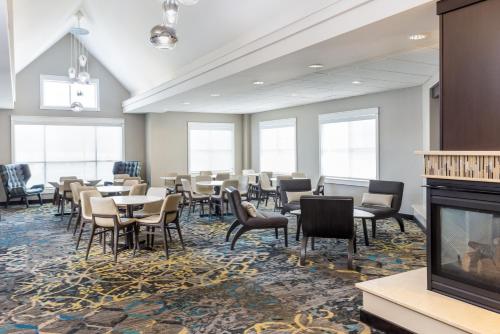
point(55, 147)
point(59, 93)
point(349, 144)
point(211, 147)
point(277, 146)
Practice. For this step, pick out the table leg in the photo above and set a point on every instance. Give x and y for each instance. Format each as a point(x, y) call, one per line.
point(365, 232)
point(130, 240)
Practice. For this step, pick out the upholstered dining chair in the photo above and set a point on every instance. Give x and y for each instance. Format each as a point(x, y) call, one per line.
point(66, 194)
point(222, 176)
point(138, 189)
point(391, 188)
point(131, 181)
point(320, 186)
point(178, 182)
point(220, 199)
point(266, 190)
point(86, 213)
point(206, 173)
point(277, 199)
point(165, 220)
point(293, 188)
point(327, 217)
point(203, 190)
point(298, 175)
point(105, 216)
point(244, 186)
point(194, 198)
point(57, 185)
point(76, 189)
point(253, 184)
point(151, 209)
point(248, 223)
point(170, 184)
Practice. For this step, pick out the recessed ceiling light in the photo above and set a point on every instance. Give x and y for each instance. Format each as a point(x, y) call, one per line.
point(258, 83)
point(417, 37)
point(316, 66)
point(186, 103)
point(356, 82)
point(215, 95)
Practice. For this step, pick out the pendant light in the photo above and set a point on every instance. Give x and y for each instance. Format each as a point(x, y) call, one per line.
point(78, 72)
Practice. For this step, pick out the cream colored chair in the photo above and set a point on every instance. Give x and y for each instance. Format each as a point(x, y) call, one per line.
point(138, 189)
point(150, 209)
point(298, 175)
point(131, 182)
point(105, 215)
point(221, 199)
point(244, 185)
point(266, 190)
point(206, 173)
point(86, 212)
point(118, 179)
point(65, 193)
point(194, 198)
point(247, 171)
point(203, 190)
point(170, 184)
point(168, 215)
point(223, 176)
point(178, 182)
point(76, 189)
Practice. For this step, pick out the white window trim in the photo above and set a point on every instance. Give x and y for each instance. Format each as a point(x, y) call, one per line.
point(44, 77)
point(75, 121)
point(211, 125)
point(352, 115)
point(278, 123)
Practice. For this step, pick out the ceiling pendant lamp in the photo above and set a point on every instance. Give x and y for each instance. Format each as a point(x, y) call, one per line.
point(164, 36)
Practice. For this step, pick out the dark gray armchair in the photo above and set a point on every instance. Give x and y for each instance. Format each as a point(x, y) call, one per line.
point(296, 185)
point(387, 188)
point(327, 217)
point(14, 178)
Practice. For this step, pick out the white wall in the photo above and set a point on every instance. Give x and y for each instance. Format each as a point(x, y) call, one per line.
point(400, 131)
point(167, 141)
point(56, 62)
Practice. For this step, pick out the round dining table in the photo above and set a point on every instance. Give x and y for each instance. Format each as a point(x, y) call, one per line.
point(209, 183)
point(113, 189)
point(357, 213)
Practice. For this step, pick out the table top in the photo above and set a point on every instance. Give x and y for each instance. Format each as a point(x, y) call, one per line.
point(209, 183)
point(135, 200)
point(113, 189)
point(356, 213)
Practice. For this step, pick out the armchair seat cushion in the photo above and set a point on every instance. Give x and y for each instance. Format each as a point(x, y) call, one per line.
point(35, 190)
point(267, 222)
point(378, 211)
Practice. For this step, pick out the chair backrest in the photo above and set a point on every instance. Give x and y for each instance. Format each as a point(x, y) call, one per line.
point(171, 174)
point(66, 186)
point(247, 171)
point(264, 180)
point(280, 178)
point(206, 173)
point(298, 185)
point(104, 207)
point(14, 177)
point(76, 190)
point(138, 190)
point(132, 168)
point(389, 188)
point(170, 183)
point(131, 182)
point(327, 216)
point(243, 181)
point(178, 179)
point(171, 203)
point(234, 199)
point(298, 175)
point(186, 186)
point(85, 202)
point(321, 181)
point(228, 184)
point(157, 192)
point(63, 178)
point(202, 189)
point(223, 176)
point(120, 177)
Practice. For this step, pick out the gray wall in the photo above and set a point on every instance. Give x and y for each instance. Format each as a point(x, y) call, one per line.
point(55, 62)
point(167, 141)
point(400, 134)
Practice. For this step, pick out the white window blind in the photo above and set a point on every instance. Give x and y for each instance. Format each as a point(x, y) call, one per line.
point(349, 144)
point(67, 146)
point(211, 147)
point(57, 92)
point(278, 146)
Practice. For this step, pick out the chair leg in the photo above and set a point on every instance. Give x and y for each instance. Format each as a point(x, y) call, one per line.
point(165, 241)
point(303, 251)
point(78, 221)
point(234, 225)
point(312, 244)
point(286, 235)
point(259, 199)
point(40, 199)
point(365, 232)
point(27, 202)
point(71, 214)
point(299, 226)
point(92, 233)
point(238, 235)
point(178, 227)
point(82, 225)
point(267, 198)
point(276, 233)
point(374, 228)
point(169, 235)
point(153, 229)
point(135, 236)
point(400, 222)
point(350, 249)
point(115, 242)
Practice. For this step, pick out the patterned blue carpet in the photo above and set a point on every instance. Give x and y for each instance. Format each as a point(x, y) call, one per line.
point(47, 287)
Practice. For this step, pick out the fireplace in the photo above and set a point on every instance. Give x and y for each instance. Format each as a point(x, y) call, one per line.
point(464, 241)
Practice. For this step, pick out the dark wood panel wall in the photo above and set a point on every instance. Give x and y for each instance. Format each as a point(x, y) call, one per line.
point(470, 74)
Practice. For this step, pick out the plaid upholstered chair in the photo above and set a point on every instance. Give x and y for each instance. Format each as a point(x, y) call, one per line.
point(132, 168)
point(14, 178)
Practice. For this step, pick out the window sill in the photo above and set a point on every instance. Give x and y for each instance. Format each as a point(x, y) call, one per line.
point(347, 182)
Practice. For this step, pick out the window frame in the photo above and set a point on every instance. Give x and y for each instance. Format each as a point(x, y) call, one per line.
point(58, 78)
point(278, 123)
point(62, 121)
point(350, 116)
point(210, 126)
